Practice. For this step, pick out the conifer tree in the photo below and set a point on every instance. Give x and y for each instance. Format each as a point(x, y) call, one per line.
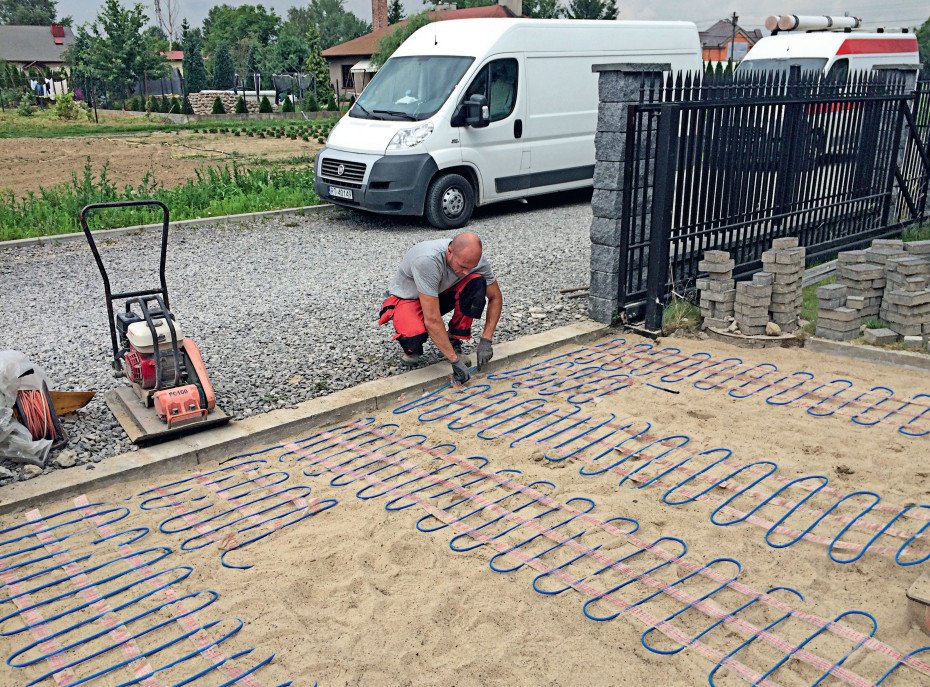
point(194, 73)
point(317, 65)
point(395, 12)
point(224, 74)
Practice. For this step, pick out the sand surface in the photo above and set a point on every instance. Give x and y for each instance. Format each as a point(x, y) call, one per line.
point(356, 595)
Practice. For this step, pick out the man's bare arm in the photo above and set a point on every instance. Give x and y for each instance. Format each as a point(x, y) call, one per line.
point(495, 306)
point(435, 326)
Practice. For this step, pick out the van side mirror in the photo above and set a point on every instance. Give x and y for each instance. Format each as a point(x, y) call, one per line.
point(477, 113)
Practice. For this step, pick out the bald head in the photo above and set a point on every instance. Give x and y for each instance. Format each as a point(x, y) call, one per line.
point(464, 253)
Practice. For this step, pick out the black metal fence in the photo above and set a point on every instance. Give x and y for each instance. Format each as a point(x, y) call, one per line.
point(729, 163)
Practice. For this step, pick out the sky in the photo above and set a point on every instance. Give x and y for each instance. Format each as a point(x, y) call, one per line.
point(892, 14)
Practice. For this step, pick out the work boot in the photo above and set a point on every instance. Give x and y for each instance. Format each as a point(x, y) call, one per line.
point(409, 358)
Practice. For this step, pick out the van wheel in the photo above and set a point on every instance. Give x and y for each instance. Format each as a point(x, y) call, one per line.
point(450, 201)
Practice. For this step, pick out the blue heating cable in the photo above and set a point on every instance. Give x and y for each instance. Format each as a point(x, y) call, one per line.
point(480, 463)
point(468, 533)
point(213, 596)
point(432, 458)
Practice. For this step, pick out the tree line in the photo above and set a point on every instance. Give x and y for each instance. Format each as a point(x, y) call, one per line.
point(123, 45)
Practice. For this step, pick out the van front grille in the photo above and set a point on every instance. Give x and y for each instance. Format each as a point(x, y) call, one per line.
point(351, 171)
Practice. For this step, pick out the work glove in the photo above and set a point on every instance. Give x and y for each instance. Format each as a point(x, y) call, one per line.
point(485, 352)
point(459, 371)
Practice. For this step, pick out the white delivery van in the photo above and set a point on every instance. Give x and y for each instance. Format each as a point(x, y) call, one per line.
point(474, 111)
point(826, 44)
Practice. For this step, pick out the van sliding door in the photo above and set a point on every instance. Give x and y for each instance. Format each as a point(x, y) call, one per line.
point(561, 120)
point(496, 151)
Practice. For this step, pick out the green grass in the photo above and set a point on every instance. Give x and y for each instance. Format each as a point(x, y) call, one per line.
point(876, 323)
point(921, 233)
point(215, 192)
point(809, 307)
point(680, 314)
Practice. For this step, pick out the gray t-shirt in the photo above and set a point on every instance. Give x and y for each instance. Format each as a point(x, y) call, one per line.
point(424, 270)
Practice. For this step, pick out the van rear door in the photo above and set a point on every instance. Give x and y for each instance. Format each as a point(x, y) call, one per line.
point(496, 151)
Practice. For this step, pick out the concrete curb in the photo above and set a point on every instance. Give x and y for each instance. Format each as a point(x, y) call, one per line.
point(870, 354)
point(271, 428)
point(180, 224)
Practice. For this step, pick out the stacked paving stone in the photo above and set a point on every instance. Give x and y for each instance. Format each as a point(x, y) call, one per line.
point(835, 320)
point(864, 279)
point(906, 302)
point(717, 292)
point(883, 250)
point(785, 262)
point(753, 300)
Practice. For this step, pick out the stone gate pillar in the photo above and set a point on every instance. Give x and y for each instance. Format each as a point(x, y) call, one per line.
point(619, 87)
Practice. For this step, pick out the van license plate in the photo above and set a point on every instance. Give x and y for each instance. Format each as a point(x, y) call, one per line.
point(337, 192)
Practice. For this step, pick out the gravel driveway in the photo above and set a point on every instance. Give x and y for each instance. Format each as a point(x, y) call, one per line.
point(283, 309)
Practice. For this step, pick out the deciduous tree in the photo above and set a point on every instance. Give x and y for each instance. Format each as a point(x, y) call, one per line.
point(117, 49)
point(923, 44)
point(391, 42)
point(291, 51)
point(333, 22)
point(233, 24)
point(28, 12)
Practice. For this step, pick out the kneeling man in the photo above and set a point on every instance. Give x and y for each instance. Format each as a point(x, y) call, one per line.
point(436, 277)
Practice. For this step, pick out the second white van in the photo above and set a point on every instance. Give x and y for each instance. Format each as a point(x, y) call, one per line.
point(828, 45)
point(475, 111)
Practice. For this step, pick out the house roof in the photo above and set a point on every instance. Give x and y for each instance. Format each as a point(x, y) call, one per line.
point(720, 34)
point(368, 44)
point(173, 55)
point(27, 44)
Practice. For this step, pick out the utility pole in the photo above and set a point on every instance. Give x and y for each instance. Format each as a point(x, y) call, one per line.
point(733, 38)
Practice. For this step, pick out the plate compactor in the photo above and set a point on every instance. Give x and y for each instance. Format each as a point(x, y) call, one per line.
point(169, 392)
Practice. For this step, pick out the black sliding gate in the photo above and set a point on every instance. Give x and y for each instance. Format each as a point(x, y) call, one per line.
point(729, 163)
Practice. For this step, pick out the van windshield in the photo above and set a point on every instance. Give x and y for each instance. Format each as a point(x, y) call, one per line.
point(783, 64)
point(410, 88)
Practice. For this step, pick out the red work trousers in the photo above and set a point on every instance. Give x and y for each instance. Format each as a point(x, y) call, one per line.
point(407, 314)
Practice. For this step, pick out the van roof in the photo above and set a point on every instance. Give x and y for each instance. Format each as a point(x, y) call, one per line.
point(478, 37)
point(830, 43)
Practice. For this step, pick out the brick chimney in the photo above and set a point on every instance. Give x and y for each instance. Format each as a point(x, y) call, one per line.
point(379, 14)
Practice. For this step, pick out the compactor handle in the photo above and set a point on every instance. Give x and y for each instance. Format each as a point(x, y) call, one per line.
point(110, 296)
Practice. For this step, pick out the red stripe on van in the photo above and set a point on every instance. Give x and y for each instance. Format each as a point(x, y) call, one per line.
point(867, 46)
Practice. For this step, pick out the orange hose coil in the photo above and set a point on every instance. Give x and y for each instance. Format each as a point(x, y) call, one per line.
point(38, 416)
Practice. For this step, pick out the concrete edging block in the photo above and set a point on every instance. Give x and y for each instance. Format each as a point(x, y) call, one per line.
point(869, 354)
point(239, 436)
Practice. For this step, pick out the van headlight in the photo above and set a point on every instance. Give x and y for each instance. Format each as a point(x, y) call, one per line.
point(408, 138)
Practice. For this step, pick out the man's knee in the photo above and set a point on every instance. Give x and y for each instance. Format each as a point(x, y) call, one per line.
point(412, 345)
point(408, 319)
point(473, 296)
